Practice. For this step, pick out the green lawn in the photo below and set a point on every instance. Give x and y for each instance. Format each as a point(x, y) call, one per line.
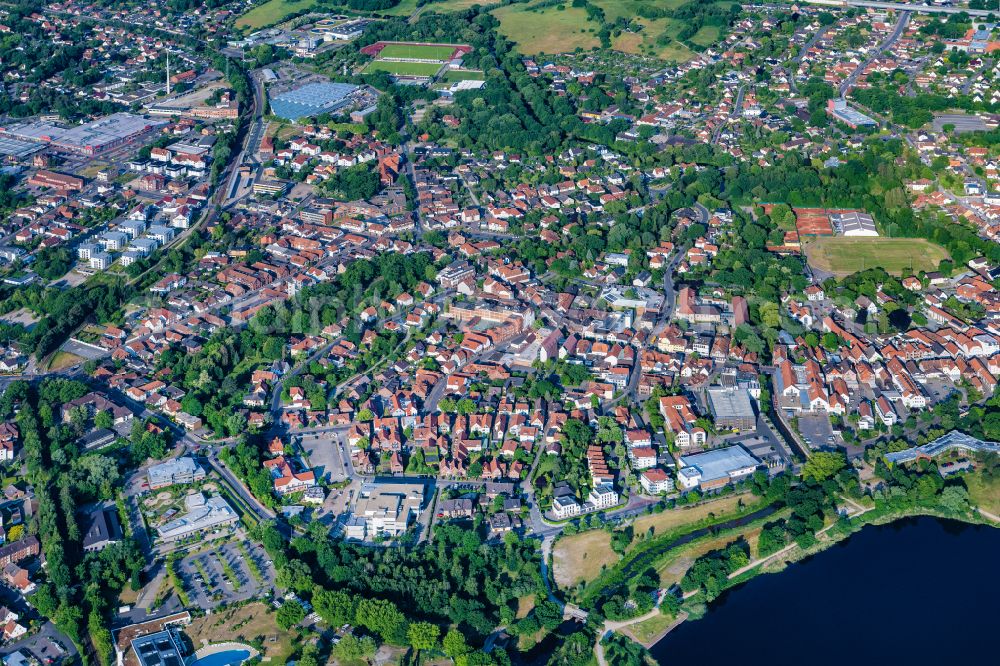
point(707, 35)
point(647, 42)
point(417, 52)
point(984, 494)
point(649, 630)
point(404, 8)
point(271, 12)
point(453, 75)
point(843, 255)
point(404, 68)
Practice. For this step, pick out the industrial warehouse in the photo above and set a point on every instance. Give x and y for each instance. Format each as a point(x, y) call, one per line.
point(311, 100)
point(93, 138)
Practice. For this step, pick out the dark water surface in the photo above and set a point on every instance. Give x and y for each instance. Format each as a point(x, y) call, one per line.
point(917, 591)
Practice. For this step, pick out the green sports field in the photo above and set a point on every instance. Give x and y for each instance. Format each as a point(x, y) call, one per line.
point(417, 52)
point(843, 255)
point(453, 75)
point(404, 68)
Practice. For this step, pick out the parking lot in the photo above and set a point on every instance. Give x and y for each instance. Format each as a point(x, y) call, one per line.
point(326, 455)
point(48, 646)
point(816, 430)
point(84, 350)
point(938, 389)
point(224, 575)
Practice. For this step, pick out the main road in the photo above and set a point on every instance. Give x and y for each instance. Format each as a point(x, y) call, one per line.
point(903, 6)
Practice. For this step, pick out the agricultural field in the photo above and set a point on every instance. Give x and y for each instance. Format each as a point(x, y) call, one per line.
point(614, 9)
point(841, 255)
point(407, 7)
point(707, 35)
point(274, 11)
point(271, 12)
point(417, 52)
point(657, 36)
point(404, 68)
point(554, 30)
point(548, 29)
point(647, 41)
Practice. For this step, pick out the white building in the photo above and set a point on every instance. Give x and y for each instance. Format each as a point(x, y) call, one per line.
point(385, 509)
point(114, 240)
point(655, 481)
point(85, 250)
point(854, 223)
point(643, 457)
point(565, 507)
point(100, 260)
point(714, 469)
point(161, 234)
point(178, 470)
point(203, 514)
point(603, 496)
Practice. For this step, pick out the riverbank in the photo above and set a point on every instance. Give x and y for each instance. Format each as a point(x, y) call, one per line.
point(860, 598)
point(695, 605)
point(648, 553)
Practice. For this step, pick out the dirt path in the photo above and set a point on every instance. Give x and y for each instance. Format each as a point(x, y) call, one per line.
point(992, 516)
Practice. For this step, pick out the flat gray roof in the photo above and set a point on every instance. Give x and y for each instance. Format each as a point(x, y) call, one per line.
point(730, 403)
point(166, 472)
point(720, 463)
point(159, 649)
point(310, 100)
point(17, 149)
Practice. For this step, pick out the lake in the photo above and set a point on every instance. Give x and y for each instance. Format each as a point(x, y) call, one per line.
point(917, 591)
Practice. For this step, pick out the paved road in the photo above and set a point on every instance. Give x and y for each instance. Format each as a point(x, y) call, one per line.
point(468, 187)
point(845, 87)
point(220, 468)
point(278, 387)
point(976, 76)
point(734, 113)
point(669, 293)
point(902, 6)
point(802, 54)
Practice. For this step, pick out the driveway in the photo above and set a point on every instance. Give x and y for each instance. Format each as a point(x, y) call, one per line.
point(48, 646)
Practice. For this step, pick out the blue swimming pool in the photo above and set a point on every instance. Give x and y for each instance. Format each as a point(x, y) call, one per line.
point(226, 658)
